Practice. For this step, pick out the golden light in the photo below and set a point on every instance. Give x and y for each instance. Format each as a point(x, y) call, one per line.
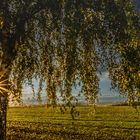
point(3, 85)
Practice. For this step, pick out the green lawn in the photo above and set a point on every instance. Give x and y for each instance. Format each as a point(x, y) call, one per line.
point(42, 123)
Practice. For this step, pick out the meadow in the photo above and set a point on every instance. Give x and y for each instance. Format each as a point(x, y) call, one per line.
point(47, 123)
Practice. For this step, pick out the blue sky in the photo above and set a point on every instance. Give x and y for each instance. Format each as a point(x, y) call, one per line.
point(108, 94)
point(105, 95)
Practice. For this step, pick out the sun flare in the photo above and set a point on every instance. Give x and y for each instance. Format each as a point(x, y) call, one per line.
point(3, 86)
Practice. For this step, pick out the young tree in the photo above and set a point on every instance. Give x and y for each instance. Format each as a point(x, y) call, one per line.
point(62, 42)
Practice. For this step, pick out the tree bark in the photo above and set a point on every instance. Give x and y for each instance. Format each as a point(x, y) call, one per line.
point(3, 116)
point(4, 88)
point(7, 56)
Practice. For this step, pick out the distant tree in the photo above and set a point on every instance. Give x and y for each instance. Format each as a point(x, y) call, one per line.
point(62, 42)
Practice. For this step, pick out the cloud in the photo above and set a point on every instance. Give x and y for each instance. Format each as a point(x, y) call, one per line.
point(27, 90)
point(104, 76)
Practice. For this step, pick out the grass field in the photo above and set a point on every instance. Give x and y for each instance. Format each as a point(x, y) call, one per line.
point(42, 123)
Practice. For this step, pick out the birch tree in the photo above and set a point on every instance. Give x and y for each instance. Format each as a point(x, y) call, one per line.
point(66, 43)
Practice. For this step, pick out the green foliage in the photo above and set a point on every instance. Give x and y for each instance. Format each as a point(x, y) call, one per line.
point(62, 42)
point(124, 71)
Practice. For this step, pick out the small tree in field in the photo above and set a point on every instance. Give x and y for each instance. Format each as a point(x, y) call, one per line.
point(64, 43)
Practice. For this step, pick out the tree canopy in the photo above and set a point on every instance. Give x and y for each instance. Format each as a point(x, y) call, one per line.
point(67, 43)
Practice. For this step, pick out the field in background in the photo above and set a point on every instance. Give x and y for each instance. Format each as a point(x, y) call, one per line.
point(42, 123)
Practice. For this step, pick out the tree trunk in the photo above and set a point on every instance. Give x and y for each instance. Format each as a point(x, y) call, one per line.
point(7, 56)
point(4, 88)
point(3, 114)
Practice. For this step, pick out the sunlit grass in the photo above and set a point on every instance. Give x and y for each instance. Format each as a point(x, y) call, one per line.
point(110, 122)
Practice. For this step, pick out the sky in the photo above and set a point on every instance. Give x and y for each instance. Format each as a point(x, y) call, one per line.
point(106, 95)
